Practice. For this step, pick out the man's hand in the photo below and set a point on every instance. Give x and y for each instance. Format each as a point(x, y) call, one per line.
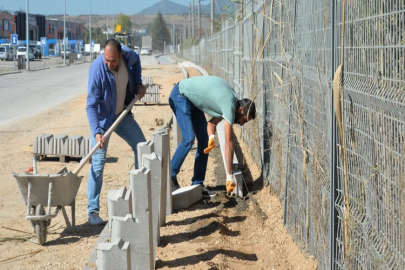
point(140, 90)
point(230, 183)
point(211, 144)
point(101, 139)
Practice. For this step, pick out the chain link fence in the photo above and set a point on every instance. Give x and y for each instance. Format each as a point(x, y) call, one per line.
point(343, 192)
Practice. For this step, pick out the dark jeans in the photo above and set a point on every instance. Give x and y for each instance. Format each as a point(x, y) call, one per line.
point(192, 124)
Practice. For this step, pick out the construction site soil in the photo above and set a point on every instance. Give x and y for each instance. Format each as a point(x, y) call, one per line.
point(220, 233)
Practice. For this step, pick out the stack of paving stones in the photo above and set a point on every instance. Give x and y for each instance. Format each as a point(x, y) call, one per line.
point(136, 213)
point(152, 95)
point(147, 80)
point(152, 92)
point(61, 145)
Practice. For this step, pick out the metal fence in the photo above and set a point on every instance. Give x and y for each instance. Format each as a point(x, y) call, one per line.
point(343, 194)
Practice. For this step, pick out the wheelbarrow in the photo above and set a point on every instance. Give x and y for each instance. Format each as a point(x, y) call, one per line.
point(44, 191)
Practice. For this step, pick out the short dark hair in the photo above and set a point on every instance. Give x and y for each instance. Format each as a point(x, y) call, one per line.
point(248, 107)
point(115, 44)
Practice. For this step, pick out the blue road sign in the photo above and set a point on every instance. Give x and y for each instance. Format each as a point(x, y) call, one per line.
point(81, 43)
point(43, 41)
point(14, 39)
point(92, 43)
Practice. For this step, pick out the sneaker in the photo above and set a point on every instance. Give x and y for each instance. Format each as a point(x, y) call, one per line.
point(175, 184)
point(95, 219)
point(206, 193)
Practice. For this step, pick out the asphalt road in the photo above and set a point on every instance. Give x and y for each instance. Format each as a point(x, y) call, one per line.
point(28, 93)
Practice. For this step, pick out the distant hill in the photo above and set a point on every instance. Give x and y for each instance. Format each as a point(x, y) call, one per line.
point(168, 7)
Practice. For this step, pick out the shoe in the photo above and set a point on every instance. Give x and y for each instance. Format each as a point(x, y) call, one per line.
point(175, 184)
point(206, 193)
point(95, 219)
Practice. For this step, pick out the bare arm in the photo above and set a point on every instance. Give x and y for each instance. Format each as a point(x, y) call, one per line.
point(212, 124)
point(228, 148)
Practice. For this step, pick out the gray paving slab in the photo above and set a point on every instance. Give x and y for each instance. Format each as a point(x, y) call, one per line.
point(119, 203)
point(140, 183)
point(115, 255)
point(186, 196)
point(162, 143)
point(154, 163)
point(128, 228)
point(176, 133)
point(144, 148)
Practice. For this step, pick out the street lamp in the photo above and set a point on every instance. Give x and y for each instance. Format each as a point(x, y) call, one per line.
point(90, 31)
point(64, 35)
point(27, 37)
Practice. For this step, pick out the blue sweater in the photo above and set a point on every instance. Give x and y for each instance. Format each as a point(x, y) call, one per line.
point(102, 93)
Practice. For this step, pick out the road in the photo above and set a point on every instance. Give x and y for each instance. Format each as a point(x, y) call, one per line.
point(29, 93)
point(166, 59)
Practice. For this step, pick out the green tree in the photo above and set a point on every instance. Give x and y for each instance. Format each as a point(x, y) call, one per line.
point(125, 22)
point(160, 33)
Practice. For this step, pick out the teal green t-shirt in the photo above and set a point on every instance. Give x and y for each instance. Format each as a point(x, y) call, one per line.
point(211, 95)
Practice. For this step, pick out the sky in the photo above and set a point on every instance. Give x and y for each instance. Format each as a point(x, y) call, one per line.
point(77, 7)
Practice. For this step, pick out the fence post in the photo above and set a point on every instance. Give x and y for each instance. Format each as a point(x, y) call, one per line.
point(333, 155)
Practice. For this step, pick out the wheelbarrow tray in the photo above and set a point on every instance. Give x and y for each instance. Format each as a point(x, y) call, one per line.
point(64, 190)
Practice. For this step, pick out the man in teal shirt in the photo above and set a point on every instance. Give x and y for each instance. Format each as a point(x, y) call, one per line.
point(189, 100)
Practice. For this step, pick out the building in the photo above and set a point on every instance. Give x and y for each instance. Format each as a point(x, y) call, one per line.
point(40, 27)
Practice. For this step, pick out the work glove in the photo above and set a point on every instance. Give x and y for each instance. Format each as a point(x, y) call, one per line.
point(230, 183)
point(211, 144)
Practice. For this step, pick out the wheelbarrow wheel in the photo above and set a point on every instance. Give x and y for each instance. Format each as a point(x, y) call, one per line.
point(40, 225)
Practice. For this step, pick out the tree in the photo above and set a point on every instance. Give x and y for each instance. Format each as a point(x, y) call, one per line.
point(160, 33)
point(125, 22)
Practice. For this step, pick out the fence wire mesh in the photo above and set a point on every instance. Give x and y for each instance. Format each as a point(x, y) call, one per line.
point(344, 194)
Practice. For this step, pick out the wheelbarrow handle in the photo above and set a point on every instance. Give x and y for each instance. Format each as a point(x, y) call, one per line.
point(107, 134)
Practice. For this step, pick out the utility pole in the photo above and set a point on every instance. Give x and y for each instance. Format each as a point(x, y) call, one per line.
point(189, 17)
point(108, 28)
point(199, 18)
point(212, 17)
point(174, 40)
point(90, 32)
point(27, 48)
point(192, 20)
point(64, 35)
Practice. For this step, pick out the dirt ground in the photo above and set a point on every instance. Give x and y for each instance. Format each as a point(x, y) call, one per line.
point(221, 233)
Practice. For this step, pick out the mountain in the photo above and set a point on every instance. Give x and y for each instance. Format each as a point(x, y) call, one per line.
point(168, 7)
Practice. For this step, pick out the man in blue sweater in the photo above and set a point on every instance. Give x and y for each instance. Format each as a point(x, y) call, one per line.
point(114, 79)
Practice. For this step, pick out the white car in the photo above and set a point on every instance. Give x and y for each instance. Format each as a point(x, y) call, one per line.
point(3, 53)
point(145, 52)
point(9, 52)
point(23, 51)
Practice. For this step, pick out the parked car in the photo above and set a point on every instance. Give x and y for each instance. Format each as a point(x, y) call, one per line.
point(3, 53)
point(23, 51)
point(10, 51)
point(146, 51)
point(36, 50)
point(62, 54)
point(136, 49)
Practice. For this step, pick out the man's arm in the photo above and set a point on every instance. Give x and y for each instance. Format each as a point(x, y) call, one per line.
point(93, 97)
point(228, 148)
point(211, 126)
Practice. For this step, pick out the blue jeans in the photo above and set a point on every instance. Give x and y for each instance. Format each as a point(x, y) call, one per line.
point(128, 130)
point(192, 124)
